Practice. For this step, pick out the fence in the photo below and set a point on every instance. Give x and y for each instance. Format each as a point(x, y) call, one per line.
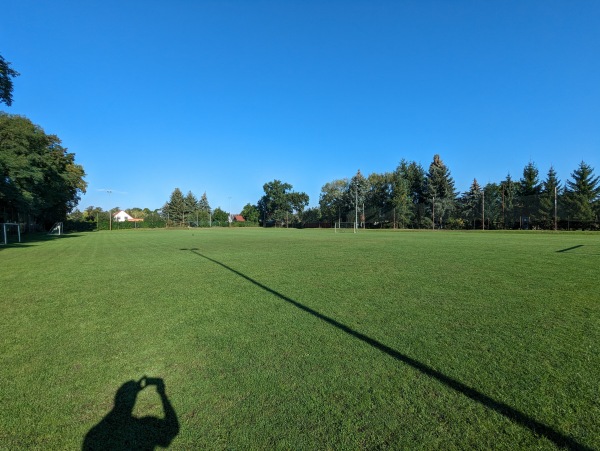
point(492, 213)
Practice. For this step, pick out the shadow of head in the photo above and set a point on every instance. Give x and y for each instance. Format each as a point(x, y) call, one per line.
point(120, 429)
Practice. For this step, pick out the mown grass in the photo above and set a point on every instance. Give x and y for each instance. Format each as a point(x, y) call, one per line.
point(306, 339)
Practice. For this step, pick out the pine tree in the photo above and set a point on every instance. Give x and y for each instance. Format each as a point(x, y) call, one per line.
point(440, 190)
point(204, 208)
point(509, 191)
point(175, 207)
point(471, 203)
point(401, 196)
point(529, 192)
point(583, 193)
point(415, 174)
point(190, 204)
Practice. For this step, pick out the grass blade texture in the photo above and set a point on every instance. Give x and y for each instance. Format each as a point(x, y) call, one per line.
point(302, 339)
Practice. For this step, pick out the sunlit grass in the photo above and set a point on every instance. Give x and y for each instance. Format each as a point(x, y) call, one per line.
point(306, 338)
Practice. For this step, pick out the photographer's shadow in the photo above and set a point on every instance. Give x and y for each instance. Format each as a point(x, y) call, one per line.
point(120, 430)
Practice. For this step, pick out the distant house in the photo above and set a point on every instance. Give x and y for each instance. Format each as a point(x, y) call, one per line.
point(238, 218)
point(123, 216)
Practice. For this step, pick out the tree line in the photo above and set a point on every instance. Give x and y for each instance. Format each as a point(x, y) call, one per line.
point(414, 197)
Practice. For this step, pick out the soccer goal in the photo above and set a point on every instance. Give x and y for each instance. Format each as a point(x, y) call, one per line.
point(11, 232)
point(340, 227)
point(57, 229)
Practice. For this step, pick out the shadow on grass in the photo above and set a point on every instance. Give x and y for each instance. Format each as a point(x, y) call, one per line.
point(120, 430)
point(509, 412)
point(32, 239)
point(571, 248)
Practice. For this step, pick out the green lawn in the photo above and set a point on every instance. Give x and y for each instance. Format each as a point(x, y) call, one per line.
point(306, 339)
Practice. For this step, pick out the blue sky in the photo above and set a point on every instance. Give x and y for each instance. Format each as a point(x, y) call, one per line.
point(224, 96)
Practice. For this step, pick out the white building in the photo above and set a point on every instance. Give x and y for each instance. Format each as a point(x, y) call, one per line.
point(122, 216)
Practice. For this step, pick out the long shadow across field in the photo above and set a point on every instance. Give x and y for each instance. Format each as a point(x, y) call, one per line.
point(571, 248)
point(499, 407)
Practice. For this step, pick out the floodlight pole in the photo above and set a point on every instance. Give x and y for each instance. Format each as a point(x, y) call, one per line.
point(433, 214)
point(482, 210)
point(356, 207)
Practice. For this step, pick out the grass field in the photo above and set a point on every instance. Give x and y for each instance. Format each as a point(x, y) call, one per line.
point(304, 339)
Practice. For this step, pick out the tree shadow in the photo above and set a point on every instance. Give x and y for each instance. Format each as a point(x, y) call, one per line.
point(120, 430)
point(507, 411)
point(32, 239)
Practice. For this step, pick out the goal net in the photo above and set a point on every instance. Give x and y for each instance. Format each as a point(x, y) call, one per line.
point(345, 227)
point(57, 229)
point(10, 233)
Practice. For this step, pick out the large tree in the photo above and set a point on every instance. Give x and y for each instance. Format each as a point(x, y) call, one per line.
point(331, 200)
point(509, 192)
point(174, 209)
point(416, 178)
point(529, 190)
point(583, 193)
point(280, 201)
point(471, 204)
point(39, 179)
point(204, 208)
point(401, 199)
point(440, 190)
point(7, 73)
point(378, 198)
point(220, 216)
point(190, 203)
point(250, 213)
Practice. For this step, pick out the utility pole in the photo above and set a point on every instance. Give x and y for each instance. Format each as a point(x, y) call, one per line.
point(555, 208)
point(355, 208)
point(482, 210)
point(433, 214)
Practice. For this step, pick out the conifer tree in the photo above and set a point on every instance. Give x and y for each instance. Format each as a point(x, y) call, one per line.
point(529, 192)
point(401, 196)
point(509, 191)
point(583, 193)
point(440, 190)
point(190, 204)
point(175, 207)
point(471, 204)
point(204, 208)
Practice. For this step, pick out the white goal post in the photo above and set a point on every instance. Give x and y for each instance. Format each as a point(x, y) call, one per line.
point(57, 229)
point(6, 228)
